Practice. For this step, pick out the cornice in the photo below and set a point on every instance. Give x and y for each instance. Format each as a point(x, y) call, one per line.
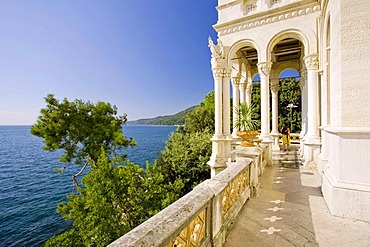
point(219, 7)
point(256, 20)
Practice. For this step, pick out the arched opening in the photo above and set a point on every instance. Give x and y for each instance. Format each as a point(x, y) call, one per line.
point(286, 94)
point(289, 96)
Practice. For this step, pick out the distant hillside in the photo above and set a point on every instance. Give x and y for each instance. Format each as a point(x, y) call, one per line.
point(176, 119)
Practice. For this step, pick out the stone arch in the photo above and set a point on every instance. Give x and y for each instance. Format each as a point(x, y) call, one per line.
point(277, 70)
point(238, 45)
point(308, 41)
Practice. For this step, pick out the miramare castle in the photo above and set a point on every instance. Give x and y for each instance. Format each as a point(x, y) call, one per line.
point(327, 42)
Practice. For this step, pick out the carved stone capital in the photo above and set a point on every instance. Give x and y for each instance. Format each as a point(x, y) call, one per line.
point(218, 73)
point(312, 62)
point(227, 73)
point(249, 86)
point(236, 80)
point(264, 68)
point(243, 86)
point(275, 87)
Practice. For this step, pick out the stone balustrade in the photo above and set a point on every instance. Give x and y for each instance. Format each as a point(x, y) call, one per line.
point(203, 216)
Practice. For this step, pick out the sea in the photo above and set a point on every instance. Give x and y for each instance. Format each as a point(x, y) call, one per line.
point(30, 189)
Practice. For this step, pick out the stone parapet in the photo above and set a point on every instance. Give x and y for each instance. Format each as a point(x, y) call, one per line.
point(203, 216)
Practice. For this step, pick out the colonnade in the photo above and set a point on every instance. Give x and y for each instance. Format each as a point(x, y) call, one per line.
point(241, 92)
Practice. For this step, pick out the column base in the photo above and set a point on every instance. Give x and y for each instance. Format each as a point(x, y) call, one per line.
point(265, 137)
point(275, 145)
point(221, 153)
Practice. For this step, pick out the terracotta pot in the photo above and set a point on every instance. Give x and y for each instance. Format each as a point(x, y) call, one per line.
point(247, 137)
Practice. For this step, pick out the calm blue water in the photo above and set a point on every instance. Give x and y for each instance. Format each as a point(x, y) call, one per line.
point(30, 190)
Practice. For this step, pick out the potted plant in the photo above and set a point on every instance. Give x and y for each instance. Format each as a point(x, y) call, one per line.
point(246, 124)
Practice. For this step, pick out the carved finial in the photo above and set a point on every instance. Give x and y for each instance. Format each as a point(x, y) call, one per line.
point(222, 48)
point(216, 50)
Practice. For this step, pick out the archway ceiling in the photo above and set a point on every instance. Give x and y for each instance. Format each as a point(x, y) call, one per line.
point(286, 50)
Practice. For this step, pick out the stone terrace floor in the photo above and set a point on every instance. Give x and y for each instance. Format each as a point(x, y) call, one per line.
point(290, 211)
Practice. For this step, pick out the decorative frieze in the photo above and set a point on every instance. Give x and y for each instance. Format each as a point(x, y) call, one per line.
point(224, 29)
point(312, 62)
point(264, 68)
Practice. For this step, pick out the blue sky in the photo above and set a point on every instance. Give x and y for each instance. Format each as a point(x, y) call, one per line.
point(148, 57)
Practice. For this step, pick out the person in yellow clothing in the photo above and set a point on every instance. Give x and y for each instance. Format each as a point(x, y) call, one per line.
point(286, 137)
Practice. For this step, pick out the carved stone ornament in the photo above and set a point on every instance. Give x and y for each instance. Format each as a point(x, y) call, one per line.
point(227, 73)
point(217, 51)
point(312, 62)
point(243, 86)
point(274, 87)
point(249, 87)
point(264, 68)
point(218, 73)
point(236, 80)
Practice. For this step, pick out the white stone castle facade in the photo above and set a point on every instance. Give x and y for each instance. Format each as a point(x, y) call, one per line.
point(328, 43)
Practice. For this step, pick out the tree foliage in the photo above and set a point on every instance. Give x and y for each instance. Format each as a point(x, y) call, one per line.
point(176, 119)
point(82, 129)
point(115, 196)
point(289, 93)
point(187, 152)
point(185, 157)
point(115, 199)
point(203, 117)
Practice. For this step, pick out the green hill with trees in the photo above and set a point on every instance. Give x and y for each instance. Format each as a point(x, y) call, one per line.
point(176, 119)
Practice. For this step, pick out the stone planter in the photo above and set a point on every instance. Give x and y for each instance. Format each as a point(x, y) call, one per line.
point(247, 137)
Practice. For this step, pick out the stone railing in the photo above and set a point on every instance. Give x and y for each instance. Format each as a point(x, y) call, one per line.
point(203, 216)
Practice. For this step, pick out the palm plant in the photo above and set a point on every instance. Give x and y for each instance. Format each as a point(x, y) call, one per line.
point(245, 121)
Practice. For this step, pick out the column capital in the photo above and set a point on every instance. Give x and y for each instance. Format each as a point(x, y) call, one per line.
point(249, 86)
point(236, 80)
point(312, 62)
point(264, 68)
point(218, 73)
point(275, 87)
point(243, 85)
point(227, 73)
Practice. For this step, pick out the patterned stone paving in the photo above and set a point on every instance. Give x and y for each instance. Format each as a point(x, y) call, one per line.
point(290, 211)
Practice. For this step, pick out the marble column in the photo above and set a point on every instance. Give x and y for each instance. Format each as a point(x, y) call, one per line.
point(218, 76)
point(312, 135)
point(217, 161)
point(236, 83)
point(226, 113)
point(275, 112)
point(242, 88)
point(303, 87)
point(264, 71)
point(248, 93)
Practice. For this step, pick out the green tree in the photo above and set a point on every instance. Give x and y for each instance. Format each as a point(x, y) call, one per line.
point(203, 117)
point(187, 152)
point(114, 200)
point(82, 129)
point(115, 196)
point(185, 157)
point(290, 93)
